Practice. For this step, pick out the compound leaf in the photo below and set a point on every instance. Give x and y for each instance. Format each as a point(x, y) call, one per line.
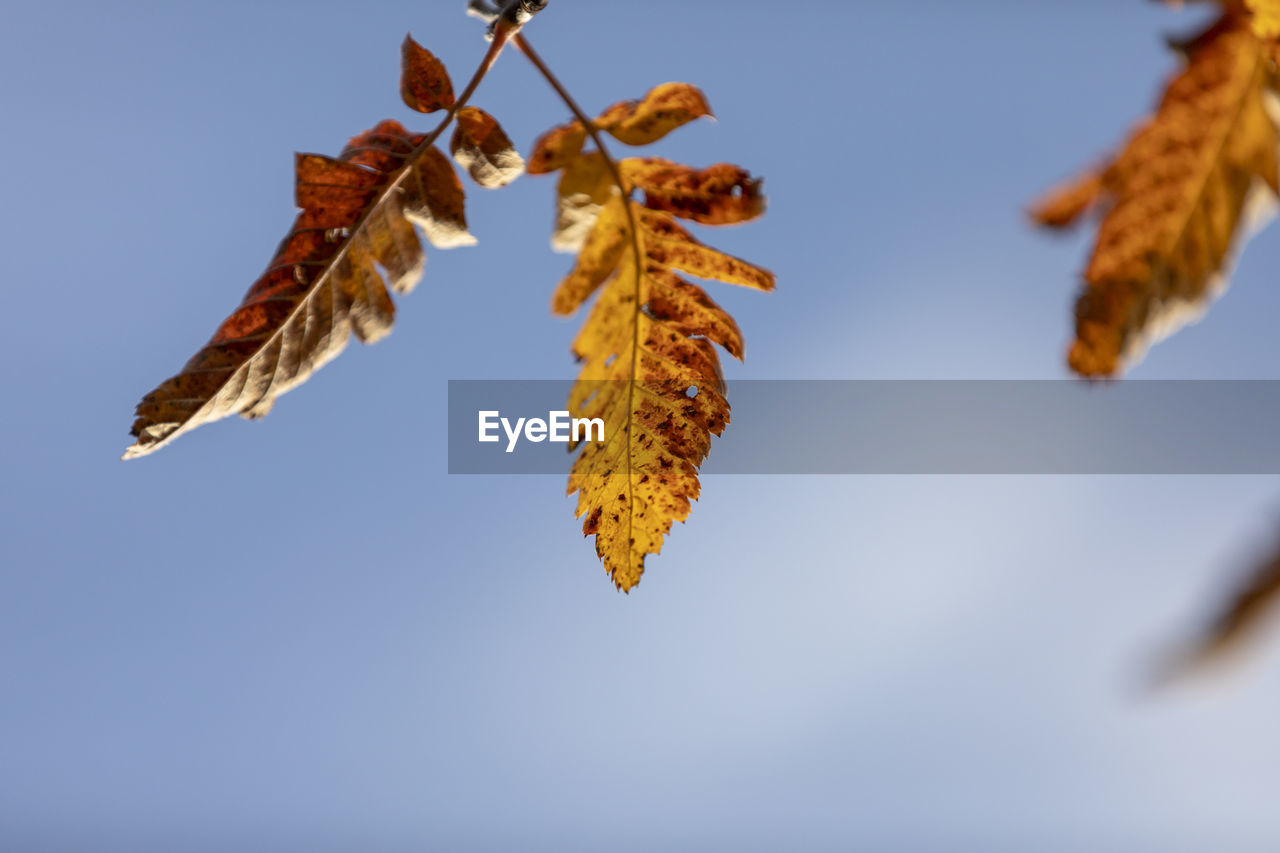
point(647, 348)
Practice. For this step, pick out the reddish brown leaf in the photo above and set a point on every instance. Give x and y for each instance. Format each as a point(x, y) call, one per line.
point(424, 82)
point(323, 284)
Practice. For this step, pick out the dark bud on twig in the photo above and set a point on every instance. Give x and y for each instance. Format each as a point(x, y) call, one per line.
point(512, 13)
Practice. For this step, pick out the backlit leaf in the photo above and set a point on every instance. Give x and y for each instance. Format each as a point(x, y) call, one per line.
point(424, 83)
point(663, 109)
point(483, 149)
point(328, 280)
point(718, 195)
point(1265, 18)
point(647, 348)
point(638, 122)
point(556, 148)
point(586, 186)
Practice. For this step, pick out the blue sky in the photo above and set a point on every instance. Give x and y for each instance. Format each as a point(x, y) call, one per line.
point(302, 634)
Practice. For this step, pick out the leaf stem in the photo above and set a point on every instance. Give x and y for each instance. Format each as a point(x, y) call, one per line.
point(522, 44)
point(500, 38)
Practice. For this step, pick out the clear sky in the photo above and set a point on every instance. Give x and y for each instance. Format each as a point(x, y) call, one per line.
point(302, 634)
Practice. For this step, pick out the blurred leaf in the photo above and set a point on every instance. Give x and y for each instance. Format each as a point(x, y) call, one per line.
point(1177, 200)
point(1251, 604)
point(482, 148)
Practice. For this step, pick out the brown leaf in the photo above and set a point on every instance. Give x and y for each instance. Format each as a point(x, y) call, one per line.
point(1253, 603)
point(483, 149)
point(1245, 612)
point(424, 82)
point(323, 283)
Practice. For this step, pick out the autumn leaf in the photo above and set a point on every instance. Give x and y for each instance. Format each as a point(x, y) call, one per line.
point(649, 367)
point(586, 186)
point(1063, 205)
point(640, 122)
point(353, 240)
point(481, 147)
point(424, 83)
point(718, 195)
point(1253, 603)
point(1176, 200)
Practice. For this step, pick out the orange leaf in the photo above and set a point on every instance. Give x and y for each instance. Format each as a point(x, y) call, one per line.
point(1178, 198)
point(556, 148)
point(663, 109)
point(1063, 205)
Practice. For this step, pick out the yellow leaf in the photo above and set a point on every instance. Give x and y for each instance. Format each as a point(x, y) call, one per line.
point(649, 365)
point(645, 347)
point(663, 109)
point(600, 255)
point(585, 188)
point(640, 122)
